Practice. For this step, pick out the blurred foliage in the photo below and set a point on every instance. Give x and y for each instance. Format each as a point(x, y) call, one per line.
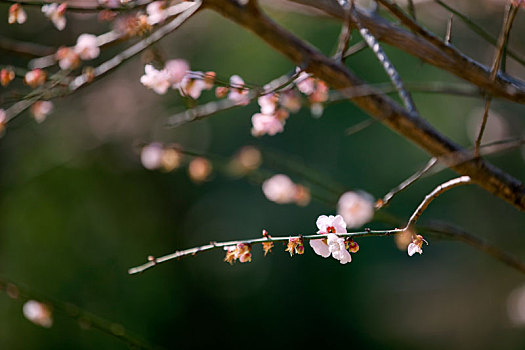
point(77, 210)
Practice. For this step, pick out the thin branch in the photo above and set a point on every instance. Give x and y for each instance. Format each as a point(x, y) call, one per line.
point(83, 9)
point(479, 30)
point(412, 9)
point(510, 15)
point(344, 36)
point(125, 55)
point(462, 180)
point(402, 186)
point(24, 47)
point(193, 251)
point(448, 36)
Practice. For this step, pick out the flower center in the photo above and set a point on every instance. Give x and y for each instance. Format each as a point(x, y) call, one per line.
point(330, 229)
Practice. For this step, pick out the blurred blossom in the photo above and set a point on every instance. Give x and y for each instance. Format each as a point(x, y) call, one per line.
point(110, 3)
point(192, 87)
point(302, 195)
point(266, 124)
point(67, 58)
point(41, 109)
point(221, 91)
point(35, 77)
point(176, 70)
point(279, 189)
point(268, 103)
point(403, 239)
point(151, 156)
point(497, 128)
point(290, 100)
point(38, 313)
point(6, 76)
point(16, 14)
point(317, 110)
point(156, 12)
point(171, 159)
point(239, 94)
point(3, 120)
point(56, 13)
point(305, 83)
point(247, 159)
point(516, 306)
point(199, 169)
point(356, 208)
point(87, 47)
point(132, 25)
point(157, 80)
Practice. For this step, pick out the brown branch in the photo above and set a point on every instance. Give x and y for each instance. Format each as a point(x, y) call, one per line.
point(377, 105)
point(431, 49)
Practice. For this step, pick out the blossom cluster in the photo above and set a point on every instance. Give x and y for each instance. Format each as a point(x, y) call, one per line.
point(241, 252)
point(86, 48)
point(38, 313)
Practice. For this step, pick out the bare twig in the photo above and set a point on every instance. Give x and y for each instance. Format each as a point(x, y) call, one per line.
point(24, 47)
point(402, 186)
point(462, 180)
point(448, 36)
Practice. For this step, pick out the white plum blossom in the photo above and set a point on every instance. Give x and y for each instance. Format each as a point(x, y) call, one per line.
point(67, 58)
point(156, 12)
point(192, 87)
point(238, 93)
point(268, 103)
point(55, 13)
point(87, 47)
point(38, 313)
point(327, 225)
point(305, 83)
point(16, 14)
point(356, 208)
point(416, 246)
point(337, 247)
point(266, 124)
point(158, 80)
point(279, 189)
point(176, 69)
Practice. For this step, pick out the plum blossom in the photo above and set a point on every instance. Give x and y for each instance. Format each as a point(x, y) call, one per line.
point(241, 252)
point(416, 246)
point(295, 245)
point(305, 83)
point(177, 70)
point(56, 13)
point(238, 93)
point(41, 109)
point(199, 169)
point(247, 159)
point(151, 156)
point(266, 124)
point(356, 208)
point(157, 80)
point(156, 12)
point(279, 189)
point(87, 47)
point(337, 247)
point(333, 245)
point(192, 87)
point(35, 77)
point(38, 313)
point(6, 76)
point(290, 100)
point(268, 103)
point(67, 58)
point(16, 14)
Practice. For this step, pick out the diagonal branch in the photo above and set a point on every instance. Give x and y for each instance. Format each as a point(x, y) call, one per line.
point(377, 105)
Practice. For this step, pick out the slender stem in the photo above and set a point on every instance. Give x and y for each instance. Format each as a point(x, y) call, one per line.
point(344, 36)
point(462, 180)
point(477, 143)
point(79, 8)
point(193, 251)
point(402, 186)
point(448, 36)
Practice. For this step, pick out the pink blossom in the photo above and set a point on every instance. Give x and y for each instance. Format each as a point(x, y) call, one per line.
point(55, 13)
point(6, 76)
point(305, 83)
point(177, 70)
point(16, 14)
point(268, 103)
point(158, 80)
point(356, 208)
point(156, 12)
point(192, 87)
point(291, 101)
point(151, 156)
point(67, 58)
point(3, 116)
point(337, 247)
point(239, 94)
point(279, 189)
point(416, 246)
point(87, 47)
point(41, 109)
point(327, 225)
point(38, 313)
point(35, 77)
point(266, 124)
